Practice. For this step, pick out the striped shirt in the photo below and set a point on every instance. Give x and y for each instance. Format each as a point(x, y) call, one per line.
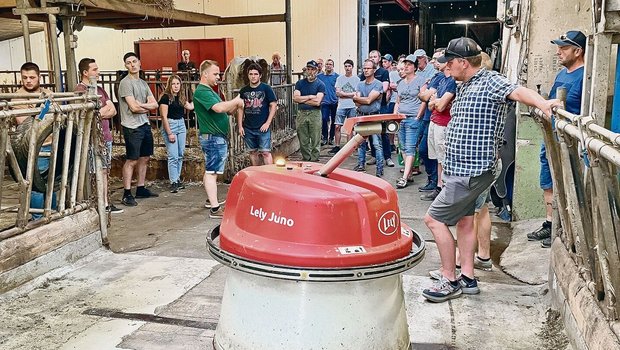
point(475, 132)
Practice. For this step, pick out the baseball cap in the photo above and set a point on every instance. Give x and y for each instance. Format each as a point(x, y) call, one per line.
point(411, 58)
point(388, 57)
point(349, 61)
point(419, 53)
point(312, 64)
point(572, 37)
point(460, 47)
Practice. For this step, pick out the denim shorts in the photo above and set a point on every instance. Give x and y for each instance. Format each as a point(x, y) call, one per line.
point(255, 140)
point(408, 135)
point(343, 113)
point(107, 160)
point(546, 181)
point(215, 148)
point(138, 141)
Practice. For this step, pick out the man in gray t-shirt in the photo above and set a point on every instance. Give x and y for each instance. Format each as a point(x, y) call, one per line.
point(346, 85)
point(368, 100)
point(135, 102)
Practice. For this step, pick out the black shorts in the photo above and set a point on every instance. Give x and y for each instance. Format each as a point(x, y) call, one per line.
point(138, 141)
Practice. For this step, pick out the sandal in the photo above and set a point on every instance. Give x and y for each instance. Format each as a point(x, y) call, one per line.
point(401, 183)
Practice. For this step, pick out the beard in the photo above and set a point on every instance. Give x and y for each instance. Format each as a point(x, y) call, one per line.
point(34, 89)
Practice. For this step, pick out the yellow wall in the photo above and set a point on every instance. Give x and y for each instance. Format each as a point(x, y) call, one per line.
point(321, 28)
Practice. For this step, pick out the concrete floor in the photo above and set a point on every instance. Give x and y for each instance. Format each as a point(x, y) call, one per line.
point(159, 289)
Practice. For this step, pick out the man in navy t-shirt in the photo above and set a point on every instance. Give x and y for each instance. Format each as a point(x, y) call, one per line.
point(329, 104)
point(259, 107)
point(570, 51)
point(308, 95)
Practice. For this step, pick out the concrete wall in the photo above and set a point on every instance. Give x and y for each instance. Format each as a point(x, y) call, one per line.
point(321, 28)
point(528, 47)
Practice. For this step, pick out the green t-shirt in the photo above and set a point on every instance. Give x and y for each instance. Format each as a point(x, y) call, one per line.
point(209, 121)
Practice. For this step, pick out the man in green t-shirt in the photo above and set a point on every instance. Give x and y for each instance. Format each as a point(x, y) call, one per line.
point(212, 114)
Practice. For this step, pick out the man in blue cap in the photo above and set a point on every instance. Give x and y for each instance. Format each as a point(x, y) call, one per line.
point(473, 139)
point(570, 52)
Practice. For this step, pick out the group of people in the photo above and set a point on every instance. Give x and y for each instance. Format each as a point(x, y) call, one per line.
point(455, 112)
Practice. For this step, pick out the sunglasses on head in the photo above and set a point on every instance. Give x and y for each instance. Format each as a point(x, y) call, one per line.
point(563, 37)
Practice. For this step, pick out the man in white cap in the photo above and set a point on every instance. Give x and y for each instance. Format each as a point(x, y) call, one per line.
point(424, 69)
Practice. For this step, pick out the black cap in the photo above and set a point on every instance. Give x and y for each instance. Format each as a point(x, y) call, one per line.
point(312, 64)
point(573, 38)
point(460, 48)
point(130, 54)
point(349, 61)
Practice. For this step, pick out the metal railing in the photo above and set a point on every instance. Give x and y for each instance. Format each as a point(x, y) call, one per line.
point(45, 150)
point(282, 129)
point(585, 163)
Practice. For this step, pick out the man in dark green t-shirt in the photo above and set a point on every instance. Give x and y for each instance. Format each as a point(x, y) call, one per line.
point(212, 114)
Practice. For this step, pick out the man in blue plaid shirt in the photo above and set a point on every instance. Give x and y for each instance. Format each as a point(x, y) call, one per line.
point(473, 138)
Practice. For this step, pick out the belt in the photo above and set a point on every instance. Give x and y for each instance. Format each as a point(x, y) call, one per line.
point(371, 113)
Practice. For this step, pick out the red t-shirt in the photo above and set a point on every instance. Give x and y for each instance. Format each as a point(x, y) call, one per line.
point(105, 123)
point(441, 118)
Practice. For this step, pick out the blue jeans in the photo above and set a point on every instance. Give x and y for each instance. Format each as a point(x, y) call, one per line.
point(546, 181)
point(37, 199)
point(361, 153)
point(215, 148)
point(176, 149)
point(408, 135)
point(429, 164)
point(328, 117)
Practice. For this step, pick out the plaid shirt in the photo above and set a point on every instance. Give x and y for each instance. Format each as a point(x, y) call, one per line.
point(476, 130)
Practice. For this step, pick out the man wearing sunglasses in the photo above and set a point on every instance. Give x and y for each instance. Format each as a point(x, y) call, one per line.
point(473, 139)
point(570, 51)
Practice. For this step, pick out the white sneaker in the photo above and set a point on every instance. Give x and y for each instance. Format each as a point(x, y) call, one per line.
point(208, 204)
point(436, 274)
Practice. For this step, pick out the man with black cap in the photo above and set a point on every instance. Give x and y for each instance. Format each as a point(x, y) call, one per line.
point(473, 138)
point(308, 95)
point(570, 52)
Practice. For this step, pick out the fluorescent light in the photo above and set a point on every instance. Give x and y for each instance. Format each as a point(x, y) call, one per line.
point(463, 22)
point(383, 24)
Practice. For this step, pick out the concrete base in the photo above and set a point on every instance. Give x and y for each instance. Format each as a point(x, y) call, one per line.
point(36, 252)
point(585, 323)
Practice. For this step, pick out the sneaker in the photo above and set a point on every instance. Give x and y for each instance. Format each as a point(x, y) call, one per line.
point(401, 183)
point(442, 290)
point(174, 188)
point(546, 243)
point(180, 185)
point(379, 174)
point(372, 161)
point(114, 210)
point(436, 274)
point(389, 163)
point(334, 150)
point(540, 234)
point(218, 214)
point(129, 201)
point(469, 287)
point(330, 142)
point(146, 193)
point(208, 204)
point(483, 265)
point(323, 142)
point(359, 167)
point(429, 196)
point(428, 187)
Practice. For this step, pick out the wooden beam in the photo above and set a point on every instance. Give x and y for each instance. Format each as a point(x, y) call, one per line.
point(252, 19)
point(146, 11)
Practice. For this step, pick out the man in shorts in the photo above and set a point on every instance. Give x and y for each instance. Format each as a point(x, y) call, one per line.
point(88, 68)
point(260, 105)
point(345, 90)
point(212, 114)
point(472, 147)
point(135, 102)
